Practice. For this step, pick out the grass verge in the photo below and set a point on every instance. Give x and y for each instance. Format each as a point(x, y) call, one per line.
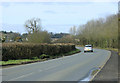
point(35, 59)
point(114, 49)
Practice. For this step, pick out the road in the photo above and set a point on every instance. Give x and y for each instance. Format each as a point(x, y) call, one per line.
point(68, 68)
point(110, 71)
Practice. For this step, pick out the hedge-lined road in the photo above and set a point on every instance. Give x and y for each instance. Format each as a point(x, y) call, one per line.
point(68, 68)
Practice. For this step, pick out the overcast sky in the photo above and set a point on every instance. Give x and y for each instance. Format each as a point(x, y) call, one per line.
point(55, 16)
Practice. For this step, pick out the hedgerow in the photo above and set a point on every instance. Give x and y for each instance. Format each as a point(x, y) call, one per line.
point(15, 51)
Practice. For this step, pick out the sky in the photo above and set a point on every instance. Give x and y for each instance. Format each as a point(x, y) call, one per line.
point(55, 17)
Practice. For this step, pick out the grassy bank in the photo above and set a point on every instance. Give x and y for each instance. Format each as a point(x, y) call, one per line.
point(36, 59)
point(114, 49)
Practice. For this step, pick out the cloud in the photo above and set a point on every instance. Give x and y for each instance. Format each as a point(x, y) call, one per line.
point(50, 12)
point(5, 4)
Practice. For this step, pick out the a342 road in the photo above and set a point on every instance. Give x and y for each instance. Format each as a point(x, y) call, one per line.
point(68, 68)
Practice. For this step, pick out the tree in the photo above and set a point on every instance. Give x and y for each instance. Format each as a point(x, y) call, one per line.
point(73, 30)
point(35, 32)
point(65, 39)
point(39, 37)
point(101, 32)
point(33, 25)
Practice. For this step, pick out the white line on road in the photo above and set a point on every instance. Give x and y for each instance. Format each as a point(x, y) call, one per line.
point(30, 74)
point(50, 67)
point(40, 70)
point(21, 77)
point(24, 76)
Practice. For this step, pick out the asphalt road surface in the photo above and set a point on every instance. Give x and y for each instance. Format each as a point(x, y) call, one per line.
point(110, 70)
point(69, 68)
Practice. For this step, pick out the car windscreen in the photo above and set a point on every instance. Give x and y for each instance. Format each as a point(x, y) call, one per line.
point(88, 46)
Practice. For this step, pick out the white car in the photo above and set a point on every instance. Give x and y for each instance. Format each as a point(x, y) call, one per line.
point(88, 48)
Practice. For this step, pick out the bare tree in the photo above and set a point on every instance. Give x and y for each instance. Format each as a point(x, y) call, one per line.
point(35, 32)
point(73, 30)
point(33, 25)
point(102, 32)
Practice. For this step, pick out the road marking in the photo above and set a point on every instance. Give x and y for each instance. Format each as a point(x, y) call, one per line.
point(24, 65)
point(57, 65)
point(61, 61)
point(50, 67)
point(24, 75)
point(101, 66)
point(21, 77)
point(39, 70)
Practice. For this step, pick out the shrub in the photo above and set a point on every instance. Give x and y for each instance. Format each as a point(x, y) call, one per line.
point(44, 56)
point(14, 51)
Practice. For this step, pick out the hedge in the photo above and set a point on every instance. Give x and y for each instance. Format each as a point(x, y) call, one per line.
point(15, 51)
